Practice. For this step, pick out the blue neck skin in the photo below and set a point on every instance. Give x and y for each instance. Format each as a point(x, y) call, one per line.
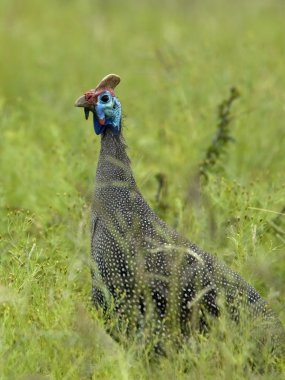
point(99, 129)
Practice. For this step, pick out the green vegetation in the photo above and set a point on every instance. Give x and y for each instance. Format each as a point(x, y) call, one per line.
point(178, 60)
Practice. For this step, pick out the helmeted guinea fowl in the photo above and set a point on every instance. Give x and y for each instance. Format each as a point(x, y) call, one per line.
point(144, 264)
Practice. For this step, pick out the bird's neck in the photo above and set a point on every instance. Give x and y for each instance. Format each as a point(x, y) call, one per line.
point(114, 166)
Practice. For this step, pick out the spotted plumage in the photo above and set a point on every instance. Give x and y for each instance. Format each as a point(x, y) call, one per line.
point(141, 262)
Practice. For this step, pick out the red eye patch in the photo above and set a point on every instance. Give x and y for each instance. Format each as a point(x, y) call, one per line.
point(92, 95)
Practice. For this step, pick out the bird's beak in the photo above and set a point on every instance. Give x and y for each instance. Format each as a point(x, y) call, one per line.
point(82, 102)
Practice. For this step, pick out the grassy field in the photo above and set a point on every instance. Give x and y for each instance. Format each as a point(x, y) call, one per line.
point(177, 59)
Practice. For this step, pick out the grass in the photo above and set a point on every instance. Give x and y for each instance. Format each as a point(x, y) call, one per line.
point(177, 60)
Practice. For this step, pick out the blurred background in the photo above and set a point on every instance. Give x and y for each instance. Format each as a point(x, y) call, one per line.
point(177, 60)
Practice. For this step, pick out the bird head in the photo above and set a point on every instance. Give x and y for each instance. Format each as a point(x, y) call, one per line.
point(103, 103)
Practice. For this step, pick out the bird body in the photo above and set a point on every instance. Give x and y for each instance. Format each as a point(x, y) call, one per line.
point(145, 265)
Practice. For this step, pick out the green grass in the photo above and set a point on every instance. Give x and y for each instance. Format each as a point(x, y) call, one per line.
point(177, 60)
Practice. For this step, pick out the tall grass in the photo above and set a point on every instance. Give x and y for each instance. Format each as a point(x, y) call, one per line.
point(177, 60)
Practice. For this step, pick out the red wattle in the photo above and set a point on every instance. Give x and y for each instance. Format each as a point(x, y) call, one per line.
point(101, 121)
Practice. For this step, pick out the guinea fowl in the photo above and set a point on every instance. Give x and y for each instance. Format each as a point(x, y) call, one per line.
point(146, 267)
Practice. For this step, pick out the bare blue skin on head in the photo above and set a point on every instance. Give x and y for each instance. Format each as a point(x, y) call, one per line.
point(108, 114)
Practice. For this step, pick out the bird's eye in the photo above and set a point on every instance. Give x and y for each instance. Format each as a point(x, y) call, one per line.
point(105, 98)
